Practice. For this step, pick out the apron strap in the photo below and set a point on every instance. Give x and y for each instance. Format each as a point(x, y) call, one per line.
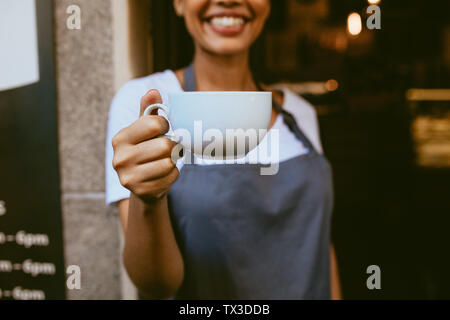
point(291, 123)
point(288, 118)
point(189, 79)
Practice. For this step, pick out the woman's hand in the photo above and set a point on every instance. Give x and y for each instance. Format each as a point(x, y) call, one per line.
point(142, 159)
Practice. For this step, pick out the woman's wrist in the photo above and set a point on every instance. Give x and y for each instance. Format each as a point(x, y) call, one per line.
point(149, 206)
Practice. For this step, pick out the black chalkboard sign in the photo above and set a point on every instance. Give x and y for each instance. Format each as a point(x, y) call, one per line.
point(31, 247)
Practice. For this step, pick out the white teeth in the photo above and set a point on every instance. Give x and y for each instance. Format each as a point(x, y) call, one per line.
point(227, 21)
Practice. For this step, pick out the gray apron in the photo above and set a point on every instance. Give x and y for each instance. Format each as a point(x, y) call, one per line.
point(247, 236)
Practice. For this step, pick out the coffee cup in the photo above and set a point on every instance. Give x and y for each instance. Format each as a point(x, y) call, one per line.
point(217, 125)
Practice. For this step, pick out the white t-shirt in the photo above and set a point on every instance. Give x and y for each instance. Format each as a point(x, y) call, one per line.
point(125, 109)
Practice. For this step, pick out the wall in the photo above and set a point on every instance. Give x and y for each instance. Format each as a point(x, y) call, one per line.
point(91, 64)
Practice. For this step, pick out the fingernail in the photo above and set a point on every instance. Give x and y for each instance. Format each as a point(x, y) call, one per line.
point(150, 91)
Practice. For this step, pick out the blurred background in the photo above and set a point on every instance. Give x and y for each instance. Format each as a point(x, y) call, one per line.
point(383, 101)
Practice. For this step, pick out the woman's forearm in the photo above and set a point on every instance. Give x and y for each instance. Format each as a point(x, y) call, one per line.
point(151, 254)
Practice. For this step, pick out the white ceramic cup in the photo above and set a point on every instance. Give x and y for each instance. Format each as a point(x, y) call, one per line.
point(206, 120)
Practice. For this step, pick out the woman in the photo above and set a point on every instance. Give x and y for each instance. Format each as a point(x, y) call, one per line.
point(202, 231)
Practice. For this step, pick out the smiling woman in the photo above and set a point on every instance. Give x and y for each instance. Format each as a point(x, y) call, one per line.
point(194, 230)
point(228, 27)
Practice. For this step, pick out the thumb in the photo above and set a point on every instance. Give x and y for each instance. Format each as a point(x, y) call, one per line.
point(151, 97)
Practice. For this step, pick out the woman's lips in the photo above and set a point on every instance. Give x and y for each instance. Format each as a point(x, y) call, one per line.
point(227, 25)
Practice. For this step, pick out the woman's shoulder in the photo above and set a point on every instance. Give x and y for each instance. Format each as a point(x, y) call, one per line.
point(164, 81)
point(296, 104)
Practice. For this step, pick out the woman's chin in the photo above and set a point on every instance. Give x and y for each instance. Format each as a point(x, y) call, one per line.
point(227, 47)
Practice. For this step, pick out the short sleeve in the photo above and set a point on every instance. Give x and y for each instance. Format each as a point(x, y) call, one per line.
point(124, 110)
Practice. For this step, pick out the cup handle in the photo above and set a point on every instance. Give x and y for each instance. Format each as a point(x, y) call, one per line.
point(160, 106)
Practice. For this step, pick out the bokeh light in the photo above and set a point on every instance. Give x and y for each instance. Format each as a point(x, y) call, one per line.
point(354, 23)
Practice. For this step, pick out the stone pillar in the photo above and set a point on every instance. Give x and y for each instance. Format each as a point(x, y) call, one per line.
point(91, 63)
point(85, 87)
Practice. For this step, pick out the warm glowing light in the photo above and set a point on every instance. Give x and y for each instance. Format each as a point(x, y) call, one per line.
point(331, 85)
point(428, 94)
point(373, 1)
point(354, 24)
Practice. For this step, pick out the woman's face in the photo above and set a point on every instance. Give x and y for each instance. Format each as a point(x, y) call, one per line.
point(225, 27)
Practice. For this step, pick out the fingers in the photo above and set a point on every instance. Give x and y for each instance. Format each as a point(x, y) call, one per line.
point(149, 176)
point(154, 149)
point(130, 156)
point(151, 97)
point(154, 170)
point(157, 186)
point(143, 129)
